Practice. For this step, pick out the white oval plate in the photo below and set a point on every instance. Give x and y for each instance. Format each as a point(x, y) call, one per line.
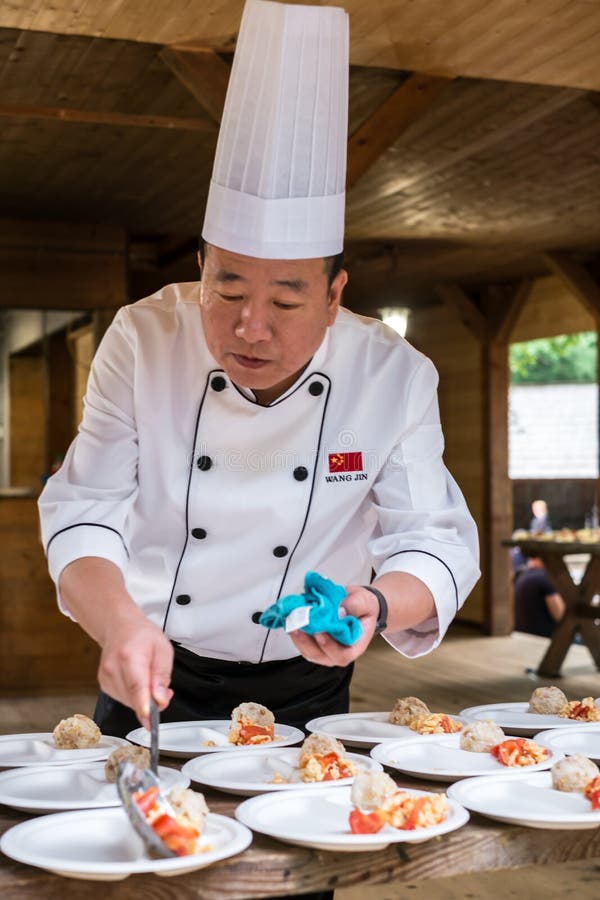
point(37, 749)
point(526, 799)
point(48, 789)
point(185, 739)
point(515, 718)
point(438, 757)
point(320, 819)
point(585, 740)
point(101, 845)
point(252, 773)
point(365, 729)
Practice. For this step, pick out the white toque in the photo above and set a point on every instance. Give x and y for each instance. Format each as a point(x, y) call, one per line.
point(278, 184)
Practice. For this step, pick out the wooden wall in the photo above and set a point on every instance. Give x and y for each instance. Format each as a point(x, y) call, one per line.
point(27, 420)
point(458, 357)
point(39, 648)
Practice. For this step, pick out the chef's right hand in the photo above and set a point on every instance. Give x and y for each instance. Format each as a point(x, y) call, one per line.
point(136, 663)
point(137, 658)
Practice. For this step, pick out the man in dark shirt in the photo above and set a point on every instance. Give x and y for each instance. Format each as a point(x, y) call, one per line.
point(538, 605)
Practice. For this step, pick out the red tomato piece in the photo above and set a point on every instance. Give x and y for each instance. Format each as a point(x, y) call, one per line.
point(365, 823)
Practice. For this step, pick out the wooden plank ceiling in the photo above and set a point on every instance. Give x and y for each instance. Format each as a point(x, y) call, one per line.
point(475, 130)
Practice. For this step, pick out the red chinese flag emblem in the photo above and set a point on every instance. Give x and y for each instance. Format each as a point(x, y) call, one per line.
point(345, 462)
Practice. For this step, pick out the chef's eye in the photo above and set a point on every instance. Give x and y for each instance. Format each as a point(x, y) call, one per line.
point(280, 305)
point(231, 296)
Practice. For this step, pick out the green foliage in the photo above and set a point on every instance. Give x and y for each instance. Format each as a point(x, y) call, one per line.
point(557, 360)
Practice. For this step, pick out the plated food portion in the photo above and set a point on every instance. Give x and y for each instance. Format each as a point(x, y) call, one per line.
point(409, 717)
point(325, 819)
point(39, 748)
point(322, 761)
point(251, 727)
point(101, 844)
point(548, 707)
point(481, 748)
point(568, 796)
point(378, 802)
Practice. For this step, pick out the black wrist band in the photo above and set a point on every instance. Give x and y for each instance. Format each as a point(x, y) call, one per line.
point(383, 609)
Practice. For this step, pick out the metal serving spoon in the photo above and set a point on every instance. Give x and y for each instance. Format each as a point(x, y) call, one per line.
point(130, 781)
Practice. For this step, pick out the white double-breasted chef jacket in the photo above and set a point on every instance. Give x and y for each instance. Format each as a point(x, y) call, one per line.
point(214, 506)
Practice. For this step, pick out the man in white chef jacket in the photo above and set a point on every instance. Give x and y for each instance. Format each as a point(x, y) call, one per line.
point(243, 430)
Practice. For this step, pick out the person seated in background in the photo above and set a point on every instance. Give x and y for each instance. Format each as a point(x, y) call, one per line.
point(538, 605)
point(540, 523)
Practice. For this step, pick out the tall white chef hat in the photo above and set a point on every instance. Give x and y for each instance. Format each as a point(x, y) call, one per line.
point(277, 188)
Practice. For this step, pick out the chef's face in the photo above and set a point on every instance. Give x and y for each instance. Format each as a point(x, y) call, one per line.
point(264, 319)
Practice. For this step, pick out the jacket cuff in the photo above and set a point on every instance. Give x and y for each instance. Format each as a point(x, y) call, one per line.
point(435, 574)
point(84, 540)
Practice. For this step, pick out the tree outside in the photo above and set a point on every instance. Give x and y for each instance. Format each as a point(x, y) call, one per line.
point(564, 359)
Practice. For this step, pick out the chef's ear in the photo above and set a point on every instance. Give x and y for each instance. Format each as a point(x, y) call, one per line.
point(336, 289)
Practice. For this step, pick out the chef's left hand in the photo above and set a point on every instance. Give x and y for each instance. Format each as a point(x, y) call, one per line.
point(324, 650)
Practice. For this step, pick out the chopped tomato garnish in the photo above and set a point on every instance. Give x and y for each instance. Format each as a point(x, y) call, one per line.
point(365, 823)
point(504, 751)
point(181, 839)
point(247, 732)
point(145, 800)
point(413, 819)
point(576, 711)
point(592, 792)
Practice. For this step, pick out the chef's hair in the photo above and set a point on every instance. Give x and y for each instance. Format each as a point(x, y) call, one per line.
point(333, 263)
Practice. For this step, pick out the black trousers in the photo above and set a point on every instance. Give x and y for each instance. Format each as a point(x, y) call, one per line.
point(295, 691)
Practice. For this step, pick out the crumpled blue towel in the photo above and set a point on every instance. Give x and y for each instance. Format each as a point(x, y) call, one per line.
point(323, 597)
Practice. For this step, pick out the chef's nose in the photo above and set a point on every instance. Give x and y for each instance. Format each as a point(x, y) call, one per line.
point(253, 325)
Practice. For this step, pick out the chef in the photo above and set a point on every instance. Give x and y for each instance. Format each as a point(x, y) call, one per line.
point(244, 429)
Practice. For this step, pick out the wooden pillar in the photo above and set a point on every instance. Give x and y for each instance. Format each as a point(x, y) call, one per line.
point(490, 319)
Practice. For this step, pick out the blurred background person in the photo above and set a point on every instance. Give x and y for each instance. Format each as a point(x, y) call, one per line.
point(538, 605)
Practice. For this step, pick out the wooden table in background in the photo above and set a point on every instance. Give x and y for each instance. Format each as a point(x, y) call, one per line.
point(581, 615)
point(269, 868)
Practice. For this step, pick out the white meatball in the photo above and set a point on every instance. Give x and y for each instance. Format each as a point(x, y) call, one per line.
point(480, 737)
point(407, 708)
point(572, 773)
point(139, 756)
point(547, 701)
point(78, 732)
point(370, 789)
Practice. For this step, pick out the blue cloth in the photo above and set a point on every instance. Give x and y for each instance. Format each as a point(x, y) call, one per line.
point(323, 597)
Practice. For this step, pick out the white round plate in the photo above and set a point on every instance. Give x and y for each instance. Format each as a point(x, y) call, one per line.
point(365, 729)
point(252, 773)
point(514, 717)
point(438, 757)
point(320, 819)
point(185, 739)
point(584, 740)
point(101, 845)
point(48, 789)
point(526, 799)
point(37, 749)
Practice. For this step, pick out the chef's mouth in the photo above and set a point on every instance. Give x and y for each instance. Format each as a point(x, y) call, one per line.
point(250, 362)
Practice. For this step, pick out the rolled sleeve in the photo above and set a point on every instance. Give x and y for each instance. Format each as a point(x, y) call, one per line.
point(424, 526)
point(84, 539)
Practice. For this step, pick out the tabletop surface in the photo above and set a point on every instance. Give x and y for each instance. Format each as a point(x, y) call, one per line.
point(269, 868)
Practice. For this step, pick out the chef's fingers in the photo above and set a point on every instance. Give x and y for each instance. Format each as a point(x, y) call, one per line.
point(162, 666)
point(309, 648)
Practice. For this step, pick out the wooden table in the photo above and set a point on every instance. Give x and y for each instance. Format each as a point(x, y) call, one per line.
point(581, 615)
point(269, 868)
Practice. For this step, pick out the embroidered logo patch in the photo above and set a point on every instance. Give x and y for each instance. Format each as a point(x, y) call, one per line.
point(345, 462)
point(341, 465)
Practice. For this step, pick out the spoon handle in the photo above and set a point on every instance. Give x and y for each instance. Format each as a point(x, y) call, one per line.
point(154, 723)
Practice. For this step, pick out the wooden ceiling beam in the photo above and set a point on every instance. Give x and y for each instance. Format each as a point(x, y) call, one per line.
point(204, 73)
point(383, 128)
point(469, 314)
point(104, 117)
point(576, 279)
